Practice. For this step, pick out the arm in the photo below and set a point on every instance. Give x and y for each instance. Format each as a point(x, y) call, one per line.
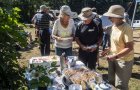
point(55, 37)
point(55, 30)
point(73, 31)
point(52, 16)
point(128, 39)
point(33, 19)
point(126, 50)
point(123, 52)
point(80, 44)
point(77, 35)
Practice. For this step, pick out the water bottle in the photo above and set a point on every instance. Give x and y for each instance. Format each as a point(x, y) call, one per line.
point(62, 61)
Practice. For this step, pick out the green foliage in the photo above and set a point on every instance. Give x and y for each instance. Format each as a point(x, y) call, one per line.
point(39, 76)
point(29, 7)
point(11, 75)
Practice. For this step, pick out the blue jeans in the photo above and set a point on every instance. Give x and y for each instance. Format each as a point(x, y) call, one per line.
point(59, 51)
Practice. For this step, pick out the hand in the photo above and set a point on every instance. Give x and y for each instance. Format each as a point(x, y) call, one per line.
point(84, 48)
point(111, 57)
point(92, 49)
point(59, 39)
point(69, 38)
point(105, 52)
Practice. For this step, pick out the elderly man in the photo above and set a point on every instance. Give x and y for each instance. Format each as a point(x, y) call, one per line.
point(88, 36)
point(42, 22)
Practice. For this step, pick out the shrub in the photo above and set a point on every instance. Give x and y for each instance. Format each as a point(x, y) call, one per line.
point(11, 74)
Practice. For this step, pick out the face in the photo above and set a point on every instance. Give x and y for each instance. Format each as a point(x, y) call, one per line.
point(65, 17)
point(47, 10)
point(87, 21)
point(115, 20)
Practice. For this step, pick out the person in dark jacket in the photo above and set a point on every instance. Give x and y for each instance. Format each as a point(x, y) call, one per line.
point(88, 36)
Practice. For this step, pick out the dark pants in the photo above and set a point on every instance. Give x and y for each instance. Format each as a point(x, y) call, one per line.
point(88, 58)
point(106, 39)
point(59, 51)
point(44, 37)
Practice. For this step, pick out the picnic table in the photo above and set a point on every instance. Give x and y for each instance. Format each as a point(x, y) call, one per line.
point(63, 81)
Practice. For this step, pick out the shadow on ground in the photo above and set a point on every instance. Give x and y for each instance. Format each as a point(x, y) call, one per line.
point(102, 68)
point(29, 47)
point(136, 41)
point(136, 75)
point(137, 61)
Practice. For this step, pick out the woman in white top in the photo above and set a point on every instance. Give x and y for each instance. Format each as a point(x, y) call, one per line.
point(63, 32)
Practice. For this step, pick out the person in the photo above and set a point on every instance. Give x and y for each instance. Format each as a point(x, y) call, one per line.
point(98, 19)
point(107, 24)
point(106, 37)
point(43, 19)
point(88, 36)
point(121, 56)
point(36, 29)
point(63, 32)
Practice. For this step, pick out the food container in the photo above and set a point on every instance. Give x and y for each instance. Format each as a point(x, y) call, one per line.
point(80, 76)
point(71, 61)
point(75, 87)
point(63, 62)
point(44, 60)
point(103, 86)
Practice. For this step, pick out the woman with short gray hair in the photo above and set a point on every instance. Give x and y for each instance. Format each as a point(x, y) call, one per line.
point(63, 32)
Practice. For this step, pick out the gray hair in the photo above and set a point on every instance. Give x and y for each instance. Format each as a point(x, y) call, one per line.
point(43, 7)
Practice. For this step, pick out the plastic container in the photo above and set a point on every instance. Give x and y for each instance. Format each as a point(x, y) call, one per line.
point(63, 61)
point(103, 86)
point(75, 87)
